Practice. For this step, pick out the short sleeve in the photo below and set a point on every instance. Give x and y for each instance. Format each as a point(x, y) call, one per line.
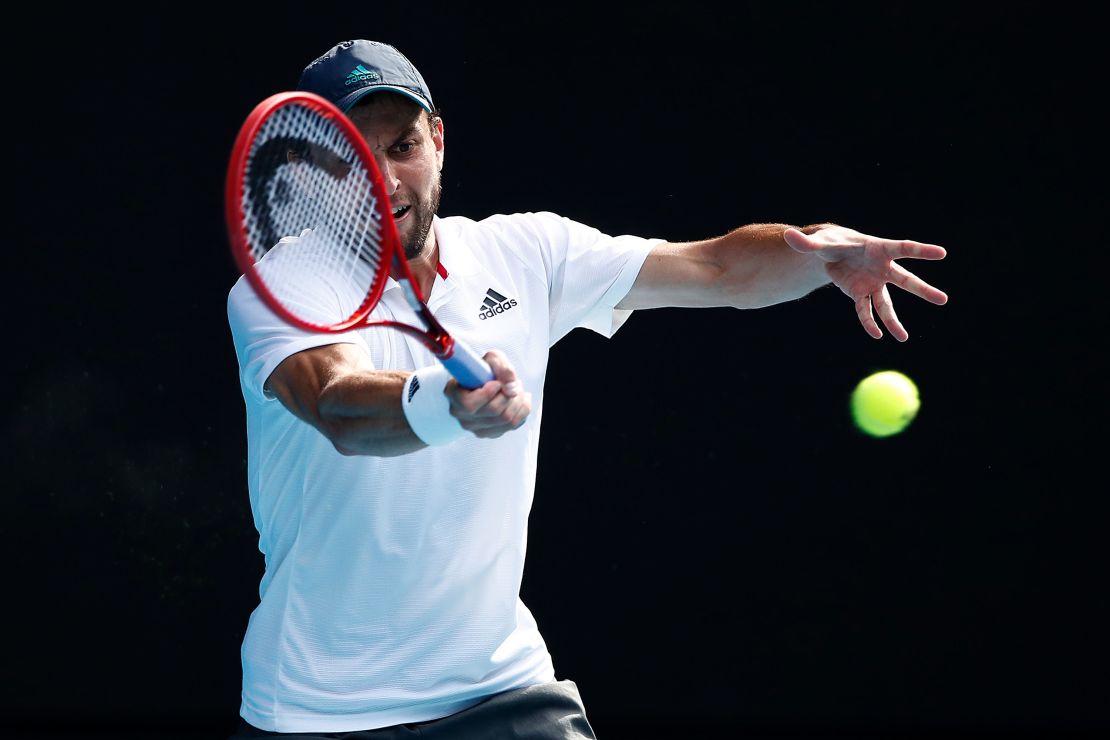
point(587, 272)
point(591, 273)
point(262, 339)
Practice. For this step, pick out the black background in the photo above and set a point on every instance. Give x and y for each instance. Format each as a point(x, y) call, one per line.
point(714, 550)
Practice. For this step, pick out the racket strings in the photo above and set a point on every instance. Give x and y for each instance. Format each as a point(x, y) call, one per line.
point(312, 217)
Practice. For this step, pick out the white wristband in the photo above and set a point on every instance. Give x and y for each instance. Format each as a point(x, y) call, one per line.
point(426, 407)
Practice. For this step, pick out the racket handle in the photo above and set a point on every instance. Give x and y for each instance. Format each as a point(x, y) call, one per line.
point(468, 368)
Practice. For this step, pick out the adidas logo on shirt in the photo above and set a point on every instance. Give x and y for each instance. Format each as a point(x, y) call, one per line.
point(414, 388)
point(494, 304)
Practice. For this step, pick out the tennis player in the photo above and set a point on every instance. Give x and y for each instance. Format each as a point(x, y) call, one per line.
point(394, 534)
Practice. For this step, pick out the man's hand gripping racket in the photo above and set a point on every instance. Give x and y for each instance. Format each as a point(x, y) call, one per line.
point(299, 168)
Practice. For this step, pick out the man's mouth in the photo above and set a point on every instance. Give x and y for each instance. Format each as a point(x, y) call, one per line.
point(400, 212)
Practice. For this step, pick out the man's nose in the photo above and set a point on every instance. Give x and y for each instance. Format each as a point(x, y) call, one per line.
point(389, 175)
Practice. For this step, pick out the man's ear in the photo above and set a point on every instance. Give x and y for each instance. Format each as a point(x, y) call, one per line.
point(436, 124)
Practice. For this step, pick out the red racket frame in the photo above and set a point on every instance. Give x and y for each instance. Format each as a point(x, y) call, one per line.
point(435, 338)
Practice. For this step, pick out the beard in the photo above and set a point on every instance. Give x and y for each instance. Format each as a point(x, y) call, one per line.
point(422, 213)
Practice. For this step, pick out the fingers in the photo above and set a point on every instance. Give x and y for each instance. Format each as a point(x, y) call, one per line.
point(885, 308)
point(879, 302)
point(503, 372)
point(501, 415)
point(911, 283)
point(909, 249)
point(867, 318)
point(862, 266)
point(499, 406)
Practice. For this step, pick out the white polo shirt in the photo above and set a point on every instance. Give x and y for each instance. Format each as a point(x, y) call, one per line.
point(391, 585)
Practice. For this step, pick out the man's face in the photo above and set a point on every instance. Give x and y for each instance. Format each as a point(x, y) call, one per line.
point(409, 151)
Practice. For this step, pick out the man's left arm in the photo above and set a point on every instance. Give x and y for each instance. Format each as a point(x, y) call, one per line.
point(764, 264)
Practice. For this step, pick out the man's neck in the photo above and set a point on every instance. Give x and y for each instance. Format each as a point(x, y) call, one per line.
point(424, 267)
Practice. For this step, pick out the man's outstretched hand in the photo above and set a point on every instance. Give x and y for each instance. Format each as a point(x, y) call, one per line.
point(862, 265)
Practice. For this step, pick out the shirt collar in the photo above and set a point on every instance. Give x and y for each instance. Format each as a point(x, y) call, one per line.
point(455, 256)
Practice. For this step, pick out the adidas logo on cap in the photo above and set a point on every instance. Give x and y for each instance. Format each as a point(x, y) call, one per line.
point(362, 74)
point(494, 304)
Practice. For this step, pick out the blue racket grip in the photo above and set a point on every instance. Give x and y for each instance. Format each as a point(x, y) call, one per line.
point(468, 368)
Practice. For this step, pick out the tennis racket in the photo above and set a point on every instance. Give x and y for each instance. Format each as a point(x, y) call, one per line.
point(311, 227)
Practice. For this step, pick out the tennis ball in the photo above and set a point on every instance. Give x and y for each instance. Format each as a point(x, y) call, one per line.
point(884, 403)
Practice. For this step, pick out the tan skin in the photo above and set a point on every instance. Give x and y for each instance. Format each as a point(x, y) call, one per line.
point(358, 408)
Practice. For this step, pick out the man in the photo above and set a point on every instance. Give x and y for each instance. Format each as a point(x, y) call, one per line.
point(394, 529)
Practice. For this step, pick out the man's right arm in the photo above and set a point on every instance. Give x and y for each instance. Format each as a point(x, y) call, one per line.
point(336, 389)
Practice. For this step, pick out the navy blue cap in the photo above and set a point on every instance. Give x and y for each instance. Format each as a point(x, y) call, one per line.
point(352, 69)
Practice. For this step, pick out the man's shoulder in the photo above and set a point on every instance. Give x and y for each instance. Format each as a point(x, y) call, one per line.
point(240, 290)
point(512, 230)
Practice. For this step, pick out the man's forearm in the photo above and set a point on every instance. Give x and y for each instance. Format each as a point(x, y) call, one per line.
point(749, 267)
point(760, 269)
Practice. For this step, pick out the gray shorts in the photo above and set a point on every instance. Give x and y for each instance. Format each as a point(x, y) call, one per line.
point(549, 711)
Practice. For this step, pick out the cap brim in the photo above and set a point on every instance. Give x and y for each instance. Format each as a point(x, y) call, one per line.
point(345, 103)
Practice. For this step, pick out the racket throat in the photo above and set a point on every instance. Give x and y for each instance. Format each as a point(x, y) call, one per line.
point(438, 342)
point(436, 339)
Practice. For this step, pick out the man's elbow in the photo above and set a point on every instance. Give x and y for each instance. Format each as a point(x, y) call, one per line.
point(351, 439)
point(340, 433)
point(345, 449)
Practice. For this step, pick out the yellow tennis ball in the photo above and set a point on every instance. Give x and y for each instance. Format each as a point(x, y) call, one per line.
point(884, 403)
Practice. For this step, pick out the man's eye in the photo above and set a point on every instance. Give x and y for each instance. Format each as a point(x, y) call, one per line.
point(405, 147)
